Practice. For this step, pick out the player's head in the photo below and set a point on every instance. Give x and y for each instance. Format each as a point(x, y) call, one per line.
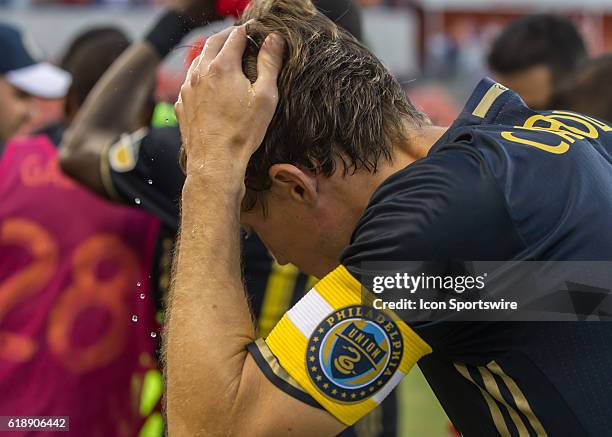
point(590, 91)
point(87, 58)
point(535, 54)
point(21, 77)
point(341, 115)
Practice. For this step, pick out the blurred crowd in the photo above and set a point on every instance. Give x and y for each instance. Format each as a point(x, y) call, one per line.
point(154, 2)
point(53, 327)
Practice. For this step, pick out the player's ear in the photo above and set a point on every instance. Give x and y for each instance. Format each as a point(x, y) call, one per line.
point(292, 182)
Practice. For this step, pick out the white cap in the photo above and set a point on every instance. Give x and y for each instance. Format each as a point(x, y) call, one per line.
point(41, 79)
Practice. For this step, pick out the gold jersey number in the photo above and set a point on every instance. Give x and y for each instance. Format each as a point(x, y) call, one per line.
point(556, 124)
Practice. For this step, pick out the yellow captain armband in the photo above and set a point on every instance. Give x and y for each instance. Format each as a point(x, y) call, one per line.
point(346, 355)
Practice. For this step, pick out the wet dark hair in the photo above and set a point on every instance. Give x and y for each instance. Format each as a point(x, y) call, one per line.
point(337, 102)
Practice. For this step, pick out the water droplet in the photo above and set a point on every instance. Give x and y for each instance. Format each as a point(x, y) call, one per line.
point(142, 296)
point(137, 201)
point(153, 334)
point(138, 284)
point(150, 182)
point(134, 318)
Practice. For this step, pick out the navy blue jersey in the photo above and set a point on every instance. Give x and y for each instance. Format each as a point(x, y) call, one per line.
point(503, 183)
point(142, 169)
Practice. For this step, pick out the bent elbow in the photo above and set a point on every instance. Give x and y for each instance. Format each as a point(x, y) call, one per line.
point(68, 161)
point(83, 165)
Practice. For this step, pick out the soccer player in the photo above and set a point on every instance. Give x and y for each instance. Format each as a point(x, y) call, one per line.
point(141, 169)
point(77, 323)
point(535, 54)
point(319, 152)
point(22, 76)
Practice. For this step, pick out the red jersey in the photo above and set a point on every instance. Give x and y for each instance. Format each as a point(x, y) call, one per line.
point(76, 318)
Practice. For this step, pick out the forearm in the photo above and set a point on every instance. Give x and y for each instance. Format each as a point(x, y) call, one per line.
point(209, 323)
point(114, 106)
point(117, 103)
point(211, 381)
point(117, 100)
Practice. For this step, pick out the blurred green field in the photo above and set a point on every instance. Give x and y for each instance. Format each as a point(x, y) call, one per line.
point(421, 414)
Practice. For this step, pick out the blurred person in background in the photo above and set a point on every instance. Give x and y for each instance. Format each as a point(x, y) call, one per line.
point(76, 317)
point(141, 168)
point(535, 54)
point(589, 91)
point(21, 77)
point(87, 58)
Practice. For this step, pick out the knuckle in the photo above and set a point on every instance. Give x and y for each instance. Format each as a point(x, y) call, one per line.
point(216, 39)
point(207, 44)
point(216, 68)
point(194, 79)
point(267, 97)
point(185, 90)
point(213, 39)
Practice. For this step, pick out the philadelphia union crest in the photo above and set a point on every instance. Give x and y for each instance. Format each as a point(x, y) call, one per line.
point(353, 353)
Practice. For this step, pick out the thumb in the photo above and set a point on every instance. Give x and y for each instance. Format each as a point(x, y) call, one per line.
point(269, 62)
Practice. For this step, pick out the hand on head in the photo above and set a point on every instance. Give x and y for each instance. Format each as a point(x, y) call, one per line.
point(222, 115)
